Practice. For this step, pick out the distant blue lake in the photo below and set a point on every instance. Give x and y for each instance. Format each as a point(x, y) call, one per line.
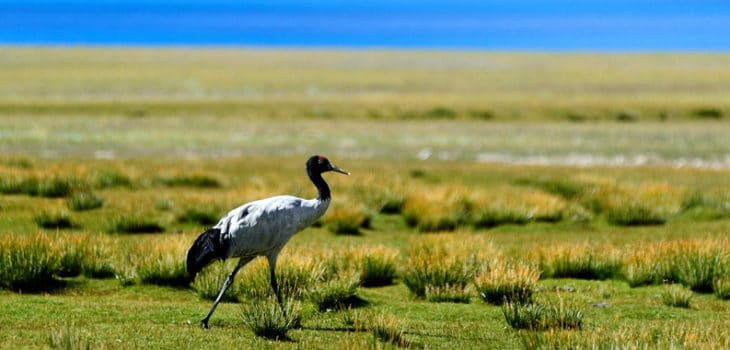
point(142, 24)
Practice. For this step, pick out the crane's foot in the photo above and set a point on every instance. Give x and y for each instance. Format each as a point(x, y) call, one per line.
point(204, 324)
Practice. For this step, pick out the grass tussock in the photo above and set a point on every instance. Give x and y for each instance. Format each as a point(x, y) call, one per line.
point(28, 263)
point(52, 186)
point(19, 185)
point(71, 253)
point(621, 204)
point(328, 280)
point(53, 220)
point(295, 277)
point(676, 296)
point(83, 201)
point(581, 261)
point(17, 162)
point(709, 206)
point(378, 266)
point(335, 294)
point(197, 180)
point(447, 207)
point(347, 219)
point(200, 215)
point(70, 337)
point(564, 187)
point(502, 281)
point(157, 261)
point(697, 266)
point(134, 223)
point(387, 328)
point(500, 214)
point(645, 204)
point(648, 265)
point(57, 186)
point(386, 198)
point(265, 318)
point(692, 263)
point(440, 266)
point(539, 317)
point(99, 255)
point(721, 286)
point(32, 262)
point(437, 208)
point(109, 178)
point(514, 205)
point(448, 293)
point(392, 203)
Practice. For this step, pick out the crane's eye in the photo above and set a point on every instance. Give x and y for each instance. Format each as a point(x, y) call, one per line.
point(322, 160)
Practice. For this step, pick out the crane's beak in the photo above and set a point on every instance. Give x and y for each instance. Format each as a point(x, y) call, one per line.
point(336, 169)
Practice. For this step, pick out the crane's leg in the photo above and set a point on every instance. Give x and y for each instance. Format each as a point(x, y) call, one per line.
point(274, 285)
point(229, 280)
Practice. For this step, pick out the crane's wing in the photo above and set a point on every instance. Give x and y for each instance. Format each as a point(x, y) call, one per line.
point(260, 227)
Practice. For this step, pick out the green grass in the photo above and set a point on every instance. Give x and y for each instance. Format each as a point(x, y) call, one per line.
point(606, 171)
point(446, 260)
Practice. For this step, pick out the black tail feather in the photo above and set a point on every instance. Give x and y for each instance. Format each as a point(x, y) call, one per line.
point(207, 247)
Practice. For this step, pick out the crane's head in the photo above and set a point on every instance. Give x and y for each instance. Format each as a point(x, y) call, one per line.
point(320, 164)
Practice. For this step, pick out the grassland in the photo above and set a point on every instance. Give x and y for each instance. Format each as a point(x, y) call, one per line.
point(589, 191)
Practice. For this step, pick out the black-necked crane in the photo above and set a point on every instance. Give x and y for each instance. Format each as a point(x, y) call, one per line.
point(260, 228)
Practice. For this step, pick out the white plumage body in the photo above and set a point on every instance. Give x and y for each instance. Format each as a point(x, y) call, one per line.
point(257, 229)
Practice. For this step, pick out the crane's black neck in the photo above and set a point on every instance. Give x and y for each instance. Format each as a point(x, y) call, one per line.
point(322, 188)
